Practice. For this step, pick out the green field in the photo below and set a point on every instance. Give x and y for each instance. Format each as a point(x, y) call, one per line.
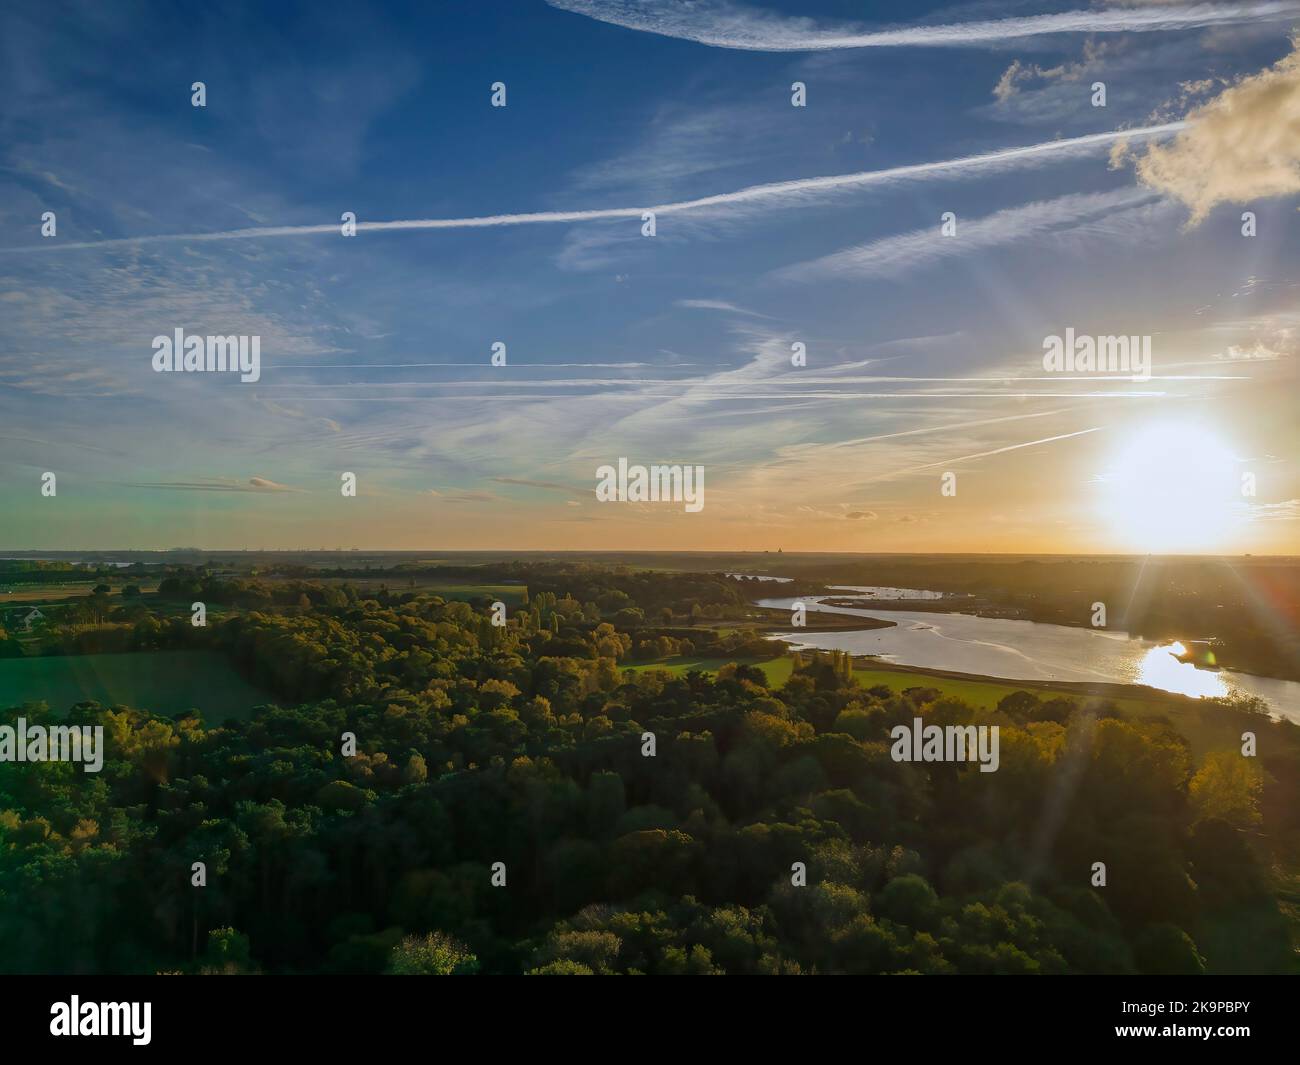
point(983, 693)
point(13, 594)
point(510, 594)
point(977, 693)
point(1205, 727)
point(164, 682)
point(778, 670)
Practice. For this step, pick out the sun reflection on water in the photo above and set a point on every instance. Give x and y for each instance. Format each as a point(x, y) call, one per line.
point(1160, 668)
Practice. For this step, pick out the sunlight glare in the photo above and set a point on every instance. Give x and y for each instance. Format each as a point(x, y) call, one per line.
point(1160, 668)
point(1173, 487)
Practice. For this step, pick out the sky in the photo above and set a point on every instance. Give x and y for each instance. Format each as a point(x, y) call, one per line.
point(922, 418)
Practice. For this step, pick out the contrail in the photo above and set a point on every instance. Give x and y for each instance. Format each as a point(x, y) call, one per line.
point(729, 26)
point(893, 256)
point(1010, 447)
point(800, 189)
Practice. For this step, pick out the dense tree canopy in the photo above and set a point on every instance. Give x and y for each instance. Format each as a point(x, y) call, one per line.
point(501, 812)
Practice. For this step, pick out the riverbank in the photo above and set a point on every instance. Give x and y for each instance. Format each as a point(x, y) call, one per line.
point(973, 605)
point(1073, 689)
point(1206, 726)
point(1115, 692)
point(819, 621)
point(1076, 661)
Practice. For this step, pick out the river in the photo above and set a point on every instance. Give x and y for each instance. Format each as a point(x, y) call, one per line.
point(1030, 650)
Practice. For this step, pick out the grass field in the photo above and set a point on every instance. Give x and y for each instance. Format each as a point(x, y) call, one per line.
point(978, 693)
point(777, 669)
point(510, 594)
point(984, 693)
point(13, 594)
point(1205, 727)
point(164, 682)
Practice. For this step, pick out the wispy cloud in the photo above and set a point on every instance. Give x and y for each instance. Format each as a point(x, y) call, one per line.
point(726, 25)
point(901, 254)
point(719, 305)
point(253, 484)
point(551, 486)
point(1287, 510)
point(465, 496)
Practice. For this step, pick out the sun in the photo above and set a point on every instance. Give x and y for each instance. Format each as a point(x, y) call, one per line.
point(1172, 487)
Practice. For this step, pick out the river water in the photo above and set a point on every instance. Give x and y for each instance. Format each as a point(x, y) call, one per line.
point(1031, 650)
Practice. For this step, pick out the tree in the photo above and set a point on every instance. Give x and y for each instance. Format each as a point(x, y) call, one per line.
point(1228, 786)
point(629, 617)
point(435, 954)
point(909, 900)
point(416, 772)
point(228, 952)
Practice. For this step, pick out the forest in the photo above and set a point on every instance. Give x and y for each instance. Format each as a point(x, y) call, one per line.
point(431, 792)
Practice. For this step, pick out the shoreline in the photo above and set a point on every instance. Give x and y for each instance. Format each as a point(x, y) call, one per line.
point(1078, 689)
point(1094, 689)
point(992, 613)
point(826, 621)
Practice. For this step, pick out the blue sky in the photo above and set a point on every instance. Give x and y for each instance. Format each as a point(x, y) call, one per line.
point(923, 351)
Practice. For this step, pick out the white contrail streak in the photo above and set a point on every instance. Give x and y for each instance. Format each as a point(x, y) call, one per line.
point(775, 192)
point(1010, 447)
point(893, 256)
point(749, 29)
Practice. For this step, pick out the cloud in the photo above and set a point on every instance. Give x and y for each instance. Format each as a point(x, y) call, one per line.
point(681, 141)
point(1019, 73)
point(1275, 342)
point(896, 255)
point(727, 25)
point(262, 484)
point(1242, 145)
point(1237, 352)
point(254, 484)
point(549, 485)
point(1007, 84)
point(1287, 510)
point(597, 247)
point(465, 497)
point(719, 305)
point(780, 193)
